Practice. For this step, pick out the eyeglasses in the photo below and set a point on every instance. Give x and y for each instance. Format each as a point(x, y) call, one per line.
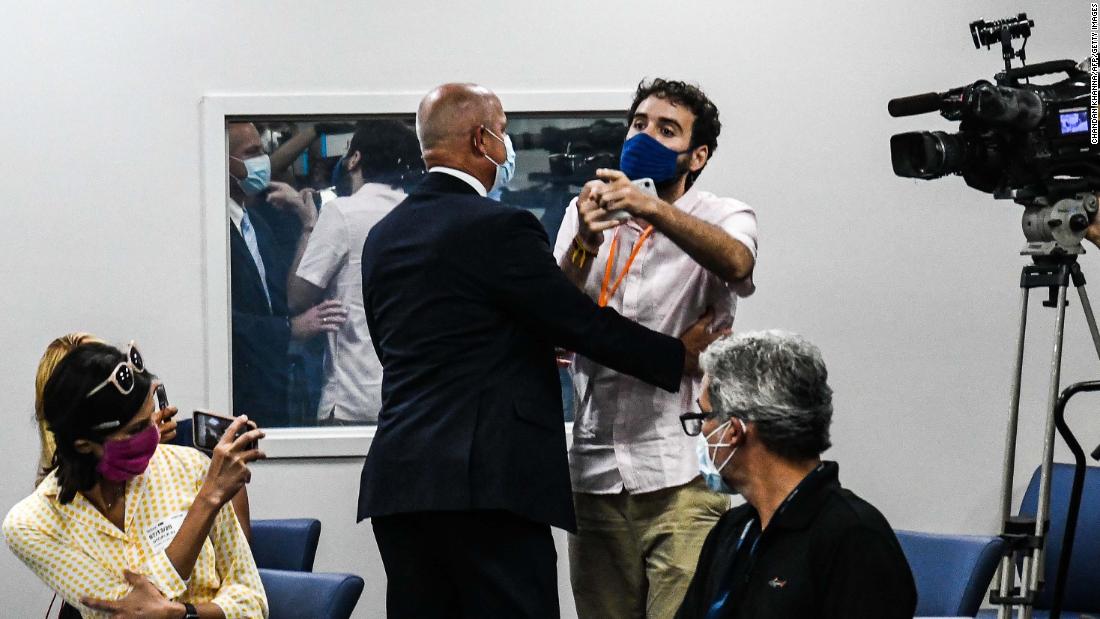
point(122, 377)
point(692, 422)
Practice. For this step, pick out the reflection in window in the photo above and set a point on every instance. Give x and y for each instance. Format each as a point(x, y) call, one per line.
point(301, 350)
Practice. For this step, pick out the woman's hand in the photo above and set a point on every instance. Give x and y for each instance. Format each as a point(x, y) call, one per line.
point(144, 600)
point(228, 471)
point(164, 418)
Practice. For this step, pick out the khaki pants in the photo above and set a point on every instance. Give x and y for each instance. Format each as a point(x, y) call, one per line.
point(634, 555)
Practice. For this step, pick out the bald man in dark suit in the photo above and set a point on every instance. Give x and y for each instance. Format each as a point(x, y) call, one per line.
point(465, 304)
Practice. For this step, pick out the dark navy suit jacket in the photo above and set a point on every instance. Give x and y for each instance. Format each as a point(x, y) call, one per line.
point(465, 304)
point(260, 335)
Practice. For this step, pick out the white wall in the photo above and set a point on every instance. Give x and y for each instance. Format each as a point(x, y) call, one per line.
point(910, 288)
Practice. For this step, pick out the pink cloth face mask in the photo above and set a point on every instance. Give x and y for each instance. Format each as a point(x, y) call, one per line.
point(127, 458)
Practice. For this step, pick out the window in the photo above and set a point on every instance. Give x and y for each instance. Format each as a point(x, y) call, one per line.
point(288, 368)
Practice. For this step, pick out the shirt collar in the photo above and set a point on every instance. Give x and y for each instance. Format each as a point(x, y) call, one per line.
point(236, 213)
point(465, 176)
point(48, 486)
point(802, 504)
point(80, 508)
point(371, 190)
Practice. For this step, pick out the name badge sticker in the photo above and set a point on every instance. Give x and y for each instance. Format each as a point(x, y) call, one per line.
point(161, 534)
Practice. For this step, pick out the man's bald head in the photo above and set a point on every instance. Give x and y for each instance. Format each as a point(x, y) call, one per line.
point(450, 112)
point(461, 126)
point(244, 140)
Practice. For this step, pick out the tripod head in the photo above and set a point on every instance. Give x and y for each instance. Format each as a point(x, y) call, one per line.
point(1054, 224)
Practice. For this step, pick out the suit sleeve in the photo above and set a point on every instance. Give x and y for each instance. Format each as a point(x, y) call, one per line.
point(869, 577)
point(524, 278)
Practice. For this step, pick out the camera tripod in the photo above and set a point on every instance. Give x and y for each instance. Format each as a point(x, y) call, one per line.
point(1025, 537)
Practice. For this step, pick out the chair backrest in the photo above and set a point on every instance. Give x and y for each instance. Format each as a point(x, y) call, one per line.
point(184, 436)
point(952, 572)
point(1083, 582)
point(286, 544)
point(310, 595)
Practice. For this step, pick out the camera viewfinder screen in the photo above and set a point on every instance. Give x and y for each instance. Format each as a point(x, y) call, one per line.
point(1074, 121)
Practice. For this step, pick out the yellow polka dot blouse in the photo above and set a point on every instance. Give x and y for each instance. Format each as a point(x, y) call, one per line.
point(77, 552)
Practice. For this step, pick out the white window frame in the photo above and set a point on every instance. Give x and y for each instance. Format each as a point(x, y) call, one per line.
point(216, 109)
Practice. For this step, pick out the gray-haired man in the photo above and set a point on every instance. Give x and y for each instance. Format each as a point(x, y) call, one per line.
point(802, 546)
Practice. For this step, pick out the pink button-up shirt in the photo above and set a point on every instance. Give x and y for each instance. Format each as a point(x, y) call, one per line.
point(626, 433)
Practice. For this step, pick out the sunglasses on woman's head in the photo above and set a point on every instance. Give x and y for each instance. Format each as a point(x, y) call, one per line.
point(122, 376)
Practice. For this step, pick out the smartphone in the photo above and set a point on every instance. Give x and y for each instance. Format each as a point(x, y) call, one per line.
point(162, 398)
point(647, 186)
point(207, 429)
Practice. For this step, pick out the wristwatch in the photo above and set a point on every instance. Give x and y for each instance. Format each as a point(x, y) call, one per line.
point(189, 611)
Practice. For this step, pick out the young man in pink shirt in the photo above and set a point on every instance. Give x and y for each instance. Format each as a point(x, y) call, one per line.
point(643, 510)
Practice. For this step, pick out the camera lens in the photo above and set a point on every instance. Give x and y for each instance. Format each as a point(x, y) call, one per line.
point(924, 154)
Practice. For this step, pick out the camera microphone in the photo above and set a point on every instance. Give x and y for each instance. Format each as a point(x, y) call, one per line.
point(916, 104)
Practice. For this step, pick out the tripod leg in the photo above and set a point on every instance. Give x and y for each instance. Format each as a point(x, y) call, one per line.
point(1006, 575)
point(1090, 318)
point(1033, 575)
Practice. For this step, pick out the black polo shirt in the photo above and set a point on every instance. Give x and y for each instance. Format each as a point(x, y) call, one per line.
point(826, 554)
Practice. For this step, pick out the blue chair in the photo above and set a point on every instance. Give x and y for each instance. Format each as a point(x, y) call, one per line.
point(184, 437)
point(285, 544)
point(952, 572)
point(309, 595)
point(1082, 597)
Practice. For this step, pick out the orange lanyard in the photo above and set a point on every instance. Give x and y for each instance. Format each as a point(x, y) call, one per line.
point(605, 293)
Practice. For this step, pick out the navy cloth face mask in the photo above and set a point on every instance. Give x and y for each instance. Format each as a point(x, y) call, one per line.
point(645, 157)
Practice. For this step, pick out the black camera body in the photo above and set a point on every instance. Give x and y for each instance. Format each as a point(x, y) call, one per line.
point(1033, 143)
point(1013, 136)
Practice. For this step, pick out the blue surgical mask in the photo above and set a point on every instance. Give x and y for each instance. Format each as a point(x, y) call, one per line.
point(258, 177)
point(711, 473)
point(645, 157)
point(507, 170)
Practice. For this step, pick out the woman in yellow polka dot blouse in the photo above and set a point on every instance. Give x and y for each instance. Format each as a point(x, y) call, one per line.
point(122, 526)
point(55, 352)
